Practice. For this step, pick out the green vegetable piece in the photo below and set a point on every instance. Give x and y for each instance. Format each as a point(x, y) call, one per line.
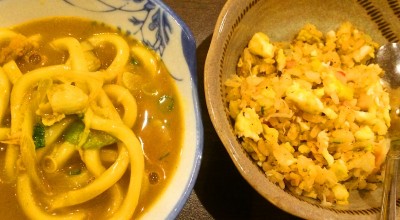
point(134, 61)
point(39, 135)
point(74, 131)
point(81, 116)
point(166, 103)
point(75, 172)
point(164, 156)
point(95, 140)
point(98, 139)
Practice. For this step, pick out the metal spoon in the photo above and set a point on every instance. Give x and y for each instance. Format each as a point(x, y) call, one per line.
point(388, 58)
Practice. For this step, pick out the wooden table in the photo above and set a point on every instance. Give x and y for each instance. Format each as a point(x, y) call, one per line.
point(220, 191)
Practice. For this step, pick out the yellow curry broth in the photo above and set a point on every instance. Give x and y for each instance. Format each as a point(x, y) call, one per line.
point(158, 125)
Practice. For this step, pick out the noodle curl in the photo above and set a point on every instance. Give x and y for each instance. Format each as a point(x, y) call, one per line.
point(68, 110)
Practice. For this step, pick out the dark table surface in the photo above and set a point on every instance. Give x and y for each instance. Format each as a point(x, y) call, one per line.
point(220, 191)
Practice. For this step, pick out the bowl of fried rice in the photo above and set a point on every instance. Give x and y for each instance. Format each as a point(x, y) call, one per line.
point(299, 104)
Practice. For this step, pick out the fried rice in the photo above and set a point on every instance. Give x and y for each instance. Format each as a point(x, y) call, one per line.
point(312, 113)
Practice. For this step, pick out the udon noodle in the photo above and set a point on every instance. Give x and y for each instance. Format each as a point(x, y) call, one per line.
point(81, 110)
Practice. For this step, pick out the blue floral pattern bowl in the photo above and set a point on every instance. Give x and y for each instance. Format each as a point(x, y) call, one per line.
point(157, 26)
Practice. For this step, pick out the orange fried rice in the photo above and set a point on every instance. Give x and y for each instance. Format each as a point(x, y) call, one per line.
point(312, 112)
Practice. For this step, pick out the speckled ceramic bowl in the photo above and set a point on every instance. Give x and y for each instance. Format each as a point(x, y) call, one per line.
point(155, 24)
point(280, 20)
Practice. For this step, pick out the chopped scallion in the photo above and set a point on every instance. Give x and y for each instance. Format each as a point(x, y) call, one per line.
point(98, 139)
point(134, 61)
point(95, 139)
point(39, 135)
point(166, 103)
point(74, 131)
point(164, 156)
point(74, 172)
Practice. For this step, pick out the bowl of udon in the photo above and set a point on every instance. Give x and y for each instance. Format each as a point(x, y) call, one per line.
point(296, 98)
point(99, 113)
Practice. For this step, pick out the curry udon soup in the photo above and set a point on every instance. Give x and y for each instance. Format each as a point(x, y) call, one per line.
point(91, 124)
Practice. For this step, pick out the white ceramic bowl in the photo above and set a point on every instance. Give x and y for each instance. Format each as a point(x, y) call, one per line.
point(172, 40)
point(280, 20)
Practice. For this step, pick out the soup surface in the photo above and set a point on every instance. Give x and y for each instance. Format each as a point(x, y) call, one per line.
point(157, 120)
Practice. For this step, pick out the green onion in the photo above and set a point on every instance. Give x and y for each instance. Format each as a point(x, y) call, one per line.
point(98, 139)
point(39, 135)
point(164, 156)
point(336, 141)
point(74, 172)
point(81, 116)
point(134, 61)
point(166, 103)
point(95, 140)
point(74, 131)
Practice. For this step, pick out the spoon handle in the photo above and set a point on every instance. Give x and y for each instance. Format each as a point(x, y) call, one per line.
point(388, 208)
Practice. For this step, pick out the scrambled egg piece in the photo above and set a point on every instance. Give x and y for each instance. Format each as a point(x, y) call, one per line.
point(364, 133)
point(304, 99)
point(364, 117)
point(281, 60)
point(283, 155)
point(270, 135)
point(334, 86)
point(309, 34)
point(266, 98)
point(341, 194)
point(363, 52)
point(340, 169)
point(260, 45)
point(248, 124)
